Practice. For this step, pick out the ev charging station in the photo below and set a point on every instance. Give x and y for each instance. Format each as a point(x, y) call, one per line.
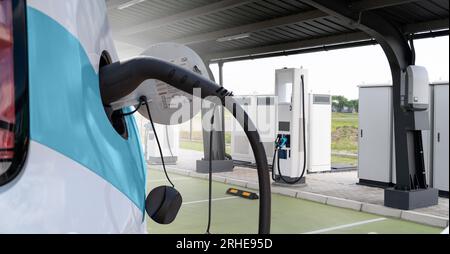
point(319, 130)
point(170, 144)
point(376, 142)
point(294, 112)
point(263, 110)
point(290, 160)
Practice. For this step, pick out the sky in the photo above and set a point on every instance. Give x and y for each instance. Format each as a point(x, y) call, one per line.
point(338, 72)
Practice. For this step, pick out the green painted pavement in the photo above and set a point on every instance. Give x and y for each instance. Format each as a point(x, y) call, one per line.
point(289, 215)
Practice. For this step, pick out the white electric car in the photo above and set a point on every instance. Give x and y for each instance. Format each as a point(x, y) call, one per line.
point(71, 160)
point(67, 164)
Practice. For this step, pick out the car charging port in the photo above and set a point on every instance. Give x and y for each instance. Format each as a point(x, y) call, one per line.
point(116, 117)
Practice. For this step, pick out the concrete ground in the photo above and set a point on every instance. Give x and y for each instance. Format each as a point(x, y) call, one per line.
point(335, 189)
point(289, 215)
point(340, 184)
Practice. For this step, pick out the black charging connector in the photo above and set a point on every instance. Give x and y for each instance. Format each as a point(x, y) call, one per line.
point(120, 79)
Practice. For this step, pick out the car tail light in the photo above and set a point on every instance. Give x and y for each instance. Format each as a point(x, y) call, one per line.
point(7, 96)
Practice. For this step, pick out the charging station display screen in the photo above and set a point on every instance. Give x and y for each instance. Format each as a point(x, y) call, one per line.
point(284, 126)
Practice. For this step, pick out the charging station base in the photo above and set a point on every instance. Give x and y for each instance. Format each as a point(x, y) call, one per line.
point(410, 200)
point(170, 160)
point(281, 183)
point(217, 166)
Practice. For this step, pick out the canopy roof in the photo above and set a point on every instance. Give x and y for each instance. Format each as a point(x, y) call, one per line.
point(226, 30)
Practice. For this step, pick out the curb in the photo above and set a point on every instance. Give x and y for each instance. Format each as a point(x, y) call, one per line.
point(344, 203)
point(318, 198)
point(284, 192)
point(420, 218)
point(236, 182)
point(431, 220)
point(381, 210)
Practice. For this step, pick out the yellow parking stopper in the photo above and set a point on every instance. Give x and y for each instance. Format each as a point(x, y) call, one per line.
point(243, 194)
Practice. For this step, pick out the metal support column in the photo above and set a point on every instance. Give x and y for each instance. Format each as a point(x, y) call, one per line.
point(222, 111)
point(411, 191)
point(220, 163)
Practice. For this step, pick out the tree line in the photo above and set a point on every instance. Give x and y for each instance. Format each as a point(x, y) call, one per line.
point(344, 105)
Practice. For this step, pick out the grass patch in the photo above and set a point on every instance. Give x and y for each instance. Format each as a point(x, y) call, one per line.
point(345, 132)
point(344, 120)
point(191, 145)
point(344, 160)
point(196, 135)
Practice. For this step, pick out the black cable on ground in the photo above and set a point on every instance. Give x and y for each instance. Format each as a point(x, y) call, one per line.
point(208, 228)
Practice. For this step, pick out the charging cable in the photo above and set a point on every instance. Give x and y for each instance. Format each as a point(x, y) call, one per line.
point(143, 101)
point(208, 228)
